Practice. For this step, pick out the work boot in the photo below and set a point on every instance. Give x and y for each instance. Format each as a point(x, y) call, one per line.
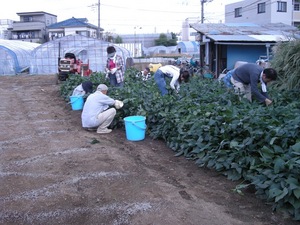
point(103, 130)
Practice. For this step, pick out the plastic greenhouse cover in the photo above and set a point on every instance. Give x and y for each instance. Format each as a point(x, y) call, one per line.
point(44, 58)
point(15, 56)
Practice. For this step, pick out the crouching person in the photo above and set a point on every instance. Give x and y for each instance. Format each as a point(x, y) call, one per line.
point(96, 114)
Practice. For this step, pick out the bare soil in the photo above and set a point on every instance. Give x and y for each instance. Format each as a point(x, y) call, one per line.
point(54, 172)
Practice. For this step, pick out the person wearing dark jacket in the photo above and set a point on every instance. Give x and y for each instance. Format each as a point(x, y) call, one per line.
point(83, 88)
point(246, 78)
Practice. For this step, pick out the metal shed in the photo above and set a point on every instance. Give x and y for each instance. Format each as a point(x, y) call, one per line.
point(223, 44)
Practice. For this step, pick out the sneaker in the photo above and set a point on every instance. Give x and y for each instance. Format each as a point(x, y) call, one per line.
point(104, 131)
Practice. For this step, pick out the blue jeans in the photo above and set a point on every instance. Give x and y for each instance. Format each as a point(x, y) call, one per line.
point(113, 81)
point(159, 78)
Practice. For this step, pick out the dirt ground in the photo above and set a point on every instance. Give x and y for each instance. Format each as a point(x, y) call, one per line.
point(54, 172)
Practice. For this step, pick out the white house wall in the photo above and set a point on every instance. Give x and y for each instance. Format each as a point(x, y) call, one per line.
point(282, 17)
point(73, 30)
point(250, 15)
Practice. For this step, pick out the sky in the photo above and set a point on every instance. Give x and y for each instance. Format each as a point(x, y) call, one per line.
point(123, 16)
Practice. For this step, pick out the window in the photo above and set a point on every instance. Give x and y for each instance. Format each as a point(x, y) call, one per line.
point(261, 7)
point(83, 33)
point(238, 12)
point(282, 6)
point(296, 6)
point(28, 19)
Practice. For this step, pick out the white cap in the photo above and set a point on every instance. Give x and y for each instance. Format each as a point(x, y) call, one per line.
point(102, 87)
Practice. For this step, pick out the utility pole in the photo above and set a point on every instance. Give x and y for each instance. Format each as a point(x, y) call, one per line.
point(203, 49)
point(98, 30)
point(202, 9)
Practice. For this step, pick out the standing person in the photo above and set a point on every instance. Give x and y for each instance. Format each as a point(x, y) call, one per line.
point(96, 113)
point(246, 77)
point(178, 75)
point(114, 67)
point(83, 88)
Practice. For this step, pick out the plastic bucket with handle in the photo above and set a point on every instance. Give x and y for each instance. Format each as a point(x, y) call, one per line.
point(76, 102)
point(135, 127)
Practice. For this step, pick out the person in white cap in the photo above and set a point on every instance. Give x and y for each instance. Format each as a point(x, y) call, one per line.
point(96, 113)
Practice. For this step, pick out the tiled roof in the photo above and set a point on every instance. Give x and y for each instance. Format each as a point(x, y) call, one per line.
point(72, 22)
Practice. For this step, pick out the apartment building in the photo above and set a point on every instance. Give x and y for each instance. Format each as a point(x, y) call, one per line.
point(32, 26)
point(263, 12)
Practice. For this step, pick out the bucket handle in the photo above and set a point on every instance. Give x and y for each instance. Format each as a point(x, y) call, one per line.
point(142, 128)
point(70, 102)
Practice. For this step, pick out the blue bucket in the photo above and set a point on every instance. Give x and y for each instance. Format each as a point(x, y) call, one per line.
point(135, 127)
point(76, 102)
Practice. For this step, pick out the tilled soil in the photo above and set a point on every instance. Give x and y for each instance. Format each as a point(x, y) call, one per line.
point(54, 172)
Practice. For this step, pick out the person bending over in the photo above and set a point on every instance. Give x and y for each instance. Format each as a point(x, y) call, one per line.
point(83, 88)
point(176, 74)
point(245, 80)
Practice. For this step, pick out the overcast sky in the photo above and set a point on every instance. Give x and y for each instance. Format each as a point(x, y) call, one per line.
point(123, 16)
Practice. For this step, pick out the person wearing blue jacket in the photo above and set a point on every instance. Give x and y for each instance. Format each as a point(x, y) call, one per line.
point(96, 113)
point(245, 80)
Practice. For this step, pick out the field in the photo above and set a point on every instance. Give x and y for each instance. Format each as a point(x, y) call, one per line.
point(54, 172)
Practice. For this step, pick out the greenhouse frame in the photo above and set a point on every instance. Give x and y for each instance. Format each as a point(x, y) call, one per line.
point(43, 59)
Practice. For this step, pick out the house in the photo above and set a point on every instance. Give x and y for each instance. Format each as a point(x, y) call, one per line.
point(223, 44)
point(5, 24)
point(264, 12)
point(32, 26)
point(73, 26)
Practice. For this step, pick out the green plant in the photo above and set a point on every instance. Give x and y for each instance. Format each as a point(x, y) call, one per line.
point(210, 126)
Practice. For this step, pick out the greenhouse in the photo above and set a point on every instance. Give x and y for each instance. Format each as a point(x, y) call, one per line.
point(15, 56)
point(156, 50)
point(89, 50)
point(190, 47)
point(18, 56)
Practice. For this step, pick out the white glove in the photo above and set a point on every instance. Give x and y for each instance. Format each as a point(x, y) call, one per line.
point(112, 71)
point(118, 104)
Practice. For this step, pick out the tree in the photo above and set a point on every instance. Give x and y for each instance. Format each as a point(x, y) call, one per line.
point(109, 37)
point(163, 40)
point(118, 40)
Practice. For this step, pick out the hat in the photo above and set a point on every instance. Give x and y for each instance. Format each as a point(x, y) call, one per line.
point(102, 87)
point(110, 49)
point(87, 86)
